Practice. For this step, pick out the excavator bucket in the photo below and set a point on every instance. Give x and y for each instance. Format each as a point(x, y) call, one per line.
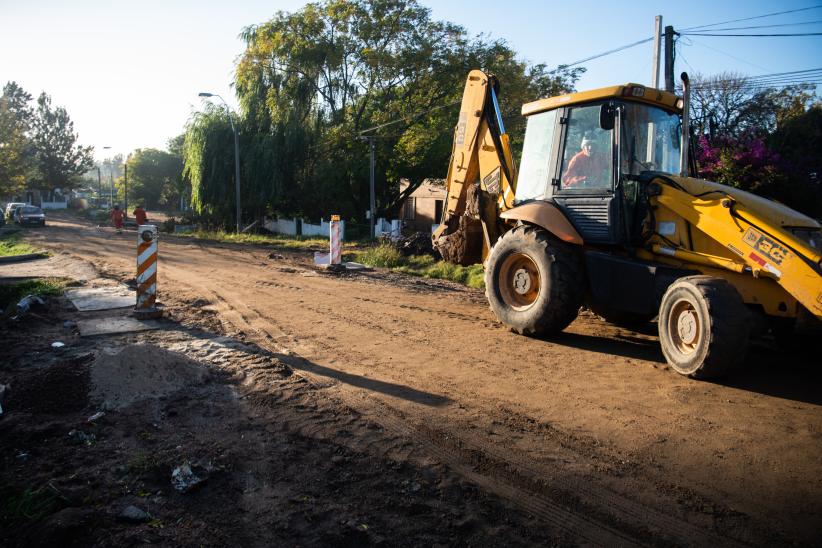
point(481, 176)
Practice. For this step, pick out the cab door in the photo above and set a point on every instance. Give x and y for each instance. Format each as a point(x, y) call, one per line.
point(586, 174)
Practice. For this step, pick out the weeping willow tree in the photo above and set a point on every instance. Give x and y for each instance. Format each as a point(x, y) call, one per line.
point(208, 159)
point(312, 82)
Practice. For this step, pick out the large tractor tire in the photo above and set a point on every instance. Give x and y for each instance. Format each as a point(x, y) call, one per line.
point(534, 282)
point(703, 327)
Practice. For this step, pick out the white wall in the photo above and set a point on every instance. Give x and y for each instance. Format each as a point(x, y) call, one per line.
point(53, 205)
point(289, 227)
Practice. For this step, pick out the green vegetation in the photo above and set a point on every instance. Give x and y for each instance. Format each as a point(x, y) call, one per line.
point(46, 287)
point(277, 240)
point(38, 146)
point(12, 245)
point(387, 256)
point(312, 80)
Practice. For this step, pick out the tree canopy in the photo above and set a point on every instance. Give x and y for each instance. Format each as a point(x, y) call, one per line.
point(764, 140)
point(313, 82)
point(39, 146)
point(154, 177)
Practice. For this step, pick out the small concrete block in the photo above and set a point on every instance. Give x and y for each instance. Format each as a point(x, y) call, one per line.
point(113, 326)
point(102, 298)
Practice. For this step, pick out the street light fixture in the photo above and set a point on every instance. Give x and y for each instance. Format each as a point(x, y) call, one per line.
point(236, 154)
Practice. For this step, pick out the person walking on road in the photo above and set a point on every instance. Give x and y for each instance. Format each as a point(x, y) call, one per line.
point(140, 215)
point(117, 219)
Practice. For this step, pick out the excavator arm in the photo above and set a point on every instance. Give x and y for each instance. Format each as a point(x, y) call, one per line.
point(756, 245)
point(481, 176)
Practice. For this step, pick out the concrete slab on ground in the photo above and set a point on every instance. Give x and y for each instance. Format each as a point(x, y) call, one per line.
point(114, 326)
point(102, 298)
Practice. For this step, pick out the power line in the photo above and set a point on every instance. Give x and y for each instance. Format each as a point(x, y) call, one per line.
point(603, 54)
point(753, 35)
point(408, 118)
point(769, 26)
point(727, 54)
point(754, 17)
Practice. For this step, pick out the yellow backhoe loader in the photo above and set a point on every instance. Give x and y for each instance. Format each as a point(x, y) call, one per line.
point(603, 210)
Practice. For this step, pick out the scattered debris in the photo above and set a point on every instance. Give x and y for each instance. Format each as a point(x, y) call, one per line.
point(78, 437)
point(184, 479)
point(97, 416)
point(22, 456)
point(3, 389)
point(418, 243)
point(68, 324)
point(24, 304)
point(276, 256)
point(133, 514)
point(58, 344)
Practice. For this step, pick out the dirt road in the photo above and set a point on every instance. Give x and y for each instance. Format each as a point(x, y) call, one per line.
point(589, 432)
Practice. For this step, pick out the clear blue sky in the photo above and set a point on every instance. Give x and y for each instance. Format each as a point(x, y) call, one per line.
point(129, 73)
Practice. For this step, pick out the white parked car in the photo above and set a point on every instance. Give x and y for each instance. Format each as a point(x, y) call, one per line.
point(10, 207)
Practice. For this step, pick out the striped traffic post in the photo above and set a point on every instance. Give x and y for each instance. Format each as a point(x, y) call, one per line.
point(147, 236)
point(336, 240)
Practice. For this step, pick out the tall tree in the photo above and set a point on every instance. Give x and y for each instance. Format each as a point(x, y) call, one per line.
point(16, 151)
point(58, 156)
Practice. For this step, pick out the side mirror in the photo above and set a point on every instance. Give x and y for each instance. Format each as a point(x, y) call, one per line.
point(606, 117)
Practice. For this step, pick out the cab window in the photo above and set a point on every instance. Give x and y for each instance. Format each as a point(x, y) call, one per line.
point(532, 181)
point(586, 161)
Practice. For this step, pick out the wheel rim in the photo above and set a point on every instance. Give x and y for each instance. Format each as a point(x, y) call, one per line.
point(684, 327)
point(519, 281)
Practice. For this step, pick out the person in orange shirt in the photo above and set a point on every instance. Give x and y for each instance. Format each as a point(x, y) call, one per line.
point(140, 215)
point(587, 168)
point(117, 218)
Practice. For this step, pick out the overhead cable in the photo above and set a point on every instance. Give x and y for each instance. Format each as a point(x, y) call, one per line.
point(754, 17)
point(752, 35)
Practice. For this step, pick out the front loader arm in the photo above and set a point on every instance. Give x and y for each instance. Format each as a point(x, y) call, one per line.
point(481, 176)
point(756, 245)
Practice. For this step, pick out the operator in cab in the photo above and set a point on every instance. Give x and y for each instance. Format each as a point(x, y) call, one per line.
point(587, 166)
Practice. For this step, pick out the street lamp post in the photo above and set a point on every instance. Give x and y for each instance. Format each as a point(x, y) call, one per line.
point(236, 155)
point(111, 204)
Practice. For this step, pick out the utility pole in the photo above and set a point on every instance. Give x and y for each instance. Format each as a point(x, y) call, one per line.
point(125, 186)
point(657, 47)
point(669, 58)
point(373, 199)
point(99, 186)
point(651, 152)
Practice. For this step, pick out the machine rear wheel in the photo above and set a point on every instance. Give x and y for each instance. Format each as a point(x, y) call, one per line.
point(703, 326)
point(534, 282)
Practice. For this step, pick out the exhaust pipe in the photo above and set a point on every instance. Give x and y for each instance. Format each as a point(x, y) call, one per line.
point(686, 130)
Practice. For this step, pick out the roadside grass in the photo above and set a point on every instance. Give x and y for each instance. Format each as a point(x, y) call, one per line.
point(278, 240)
point(387, 256)
point(43, 287)
point(12, 244)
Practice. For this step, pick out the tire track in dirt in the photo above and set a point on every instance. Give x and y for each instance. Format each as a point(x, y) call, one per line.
point(464, 455)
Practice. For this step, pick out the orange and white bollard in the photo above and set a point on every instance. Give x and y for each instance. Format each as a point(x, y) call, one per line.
point(336, 240)
point(147, 236)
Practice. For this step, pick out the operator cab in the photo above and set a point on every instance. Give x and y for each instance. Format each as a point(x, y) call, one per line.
point(586, 152)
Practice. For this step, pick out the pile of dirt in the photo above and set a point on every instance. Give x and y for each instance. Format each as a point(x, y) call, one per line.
point(141, 371)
